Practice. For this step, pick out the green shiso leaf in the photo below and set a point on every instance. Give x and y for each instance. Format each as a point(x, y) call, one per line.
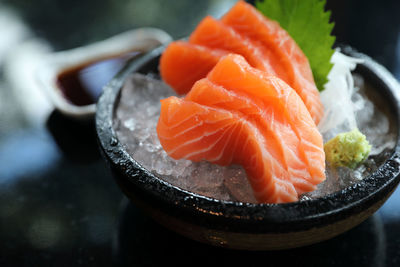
point(308, 24)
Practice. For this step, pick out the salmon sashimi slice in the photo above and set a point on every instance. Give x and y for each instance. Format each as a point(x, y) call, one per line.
point(270, 93)
point(286, 57)
point(215, 35)
point(197, 132)
point(241, 115)
point(182, 64)
point(282, 142)
point(242, 30)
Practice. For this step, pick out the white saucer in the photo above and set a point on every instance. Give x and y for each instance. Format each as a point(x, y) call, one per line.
point(141, 40)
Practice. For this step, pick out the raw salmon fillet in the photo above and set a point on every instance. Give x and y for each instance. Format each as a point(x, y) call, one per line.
point(214, 34)
point(182, 64)
point(286, 57)
point(198, 132)
point(259, 123)
point(282, 141)
point(245, 31)
point(234, 73)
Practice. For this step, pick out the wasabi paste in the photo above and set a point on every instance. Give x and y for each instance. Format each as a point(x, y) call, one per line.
point(347, 149)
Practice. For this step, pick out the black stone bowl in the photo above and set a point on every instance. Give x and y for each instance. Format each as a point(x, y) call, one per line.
point(244, 225)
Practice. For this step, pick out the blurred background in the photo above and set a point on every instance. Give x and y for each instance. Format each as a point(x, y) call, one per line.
point(58, 203)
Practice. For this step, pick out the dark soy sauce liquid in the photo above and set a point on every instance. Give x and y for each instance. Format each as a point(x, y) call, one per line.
point(82, 85)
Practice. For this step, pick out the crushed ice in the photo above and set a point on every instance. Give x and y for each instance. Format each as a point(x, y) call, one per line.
point(138, 110)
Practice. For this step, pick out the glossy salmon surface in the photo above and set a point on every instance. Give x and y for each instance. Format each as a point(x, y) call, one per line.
point(241, 115)
point(245, 31)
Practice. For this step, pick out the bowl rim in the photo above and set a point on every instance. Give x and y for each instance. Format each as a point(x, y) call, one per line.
point(240, 216)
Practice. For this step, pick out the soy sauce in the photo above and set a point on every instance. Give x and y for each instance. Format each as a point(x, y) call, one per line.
point(82, 85)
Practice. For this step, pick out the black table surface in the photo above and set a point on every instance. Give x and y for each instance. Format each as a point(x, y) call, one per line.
point(59, 205)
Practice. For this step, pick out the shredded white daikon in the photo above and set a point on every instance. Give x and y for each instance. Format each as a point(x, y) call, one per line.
point(340, 98)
